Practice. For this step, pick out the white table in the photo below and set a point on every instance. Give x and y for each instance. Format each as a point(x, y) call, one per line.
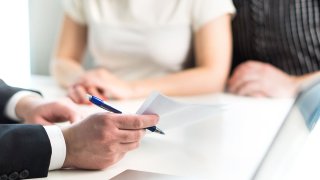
point(228, 146)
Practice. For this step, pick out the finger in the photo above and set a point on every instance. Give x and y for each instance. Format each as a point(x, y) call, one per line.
point(72, 95)
point(93, 87)
point(72, 108)
point(95, 92)
point(244, 72)
point(107, 95)
point(135, 121)
point(237, 79)
point(249, 88)
point(243, 80)
point(72, 116)
point(60, 117)
point(129, 136)
point(38, 120)
point(258, 95)
point(238, 72)
point(68, 111)
point(81, 94)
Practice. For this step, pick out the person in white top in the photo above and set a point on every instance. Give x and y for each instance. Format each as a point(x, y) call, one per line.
point(177, 47)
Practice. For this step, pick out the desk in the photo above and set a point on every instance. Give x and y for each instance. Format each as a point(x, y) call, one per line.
point(228, 146)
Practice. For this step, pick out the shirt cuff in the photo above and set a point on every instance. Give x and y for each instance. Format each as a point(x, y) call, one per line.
point(10, 109)
point(58, 147)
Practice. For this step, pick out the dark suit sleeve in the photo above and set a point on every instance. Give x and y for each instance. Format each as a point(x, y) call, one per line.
point(25, 151)
point(6, 92)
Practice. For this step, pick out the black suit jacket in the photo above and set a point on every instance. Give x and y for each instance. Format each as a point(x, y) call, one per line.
point(25, 150)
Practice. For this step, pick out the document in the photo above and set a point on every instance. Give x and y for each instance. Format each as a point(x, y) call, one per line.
point(174, 114)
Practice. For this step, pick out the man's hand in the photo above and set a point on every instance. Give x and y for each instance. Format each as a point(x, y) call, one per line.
point(35, 110)
point(103, 139)
point(258, 79)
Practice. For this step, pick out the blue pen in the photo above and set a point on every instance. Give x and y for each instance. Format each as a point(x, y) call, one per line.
point(99, 102)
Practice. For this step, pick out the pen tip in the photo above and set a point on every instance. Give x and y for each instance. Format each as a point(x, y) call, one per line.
point(160, 132)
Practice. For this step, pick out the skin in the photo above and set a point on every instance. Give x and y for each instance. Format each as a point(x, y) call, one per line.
point(96, 142)
point(257, 79)
point(35, 110)
point(103, 139)
point(213, 59)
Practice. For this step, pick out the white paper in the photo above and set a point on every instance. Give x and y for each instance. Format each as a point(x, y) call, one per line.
point(174, 114)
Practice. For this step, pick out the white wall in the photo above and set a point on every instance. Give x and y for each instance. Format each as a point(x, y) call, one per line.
point(45, 20)
point(14, 41)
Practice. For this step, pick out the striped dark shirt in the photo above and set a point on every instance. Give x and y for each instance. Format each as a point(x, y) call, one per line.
point(284, 33)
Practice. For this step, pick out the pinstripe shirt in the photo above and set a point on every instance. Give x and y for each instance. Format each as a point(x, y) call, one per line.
point(284, 33)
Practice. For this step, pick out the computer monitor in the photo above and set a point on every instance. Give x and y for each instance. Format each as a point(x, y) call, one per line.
point(292, 134)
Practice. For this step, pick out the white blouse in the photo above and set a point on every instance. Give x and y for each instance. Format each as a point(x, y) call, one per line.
point(136, 39)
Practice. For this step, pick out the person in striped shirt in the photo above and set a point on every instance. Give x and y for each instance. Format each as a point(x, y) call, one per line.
point(276, 46)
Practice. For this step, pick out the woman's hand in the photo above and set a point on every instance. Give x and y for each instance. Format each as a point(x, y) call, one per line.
point(99, 82)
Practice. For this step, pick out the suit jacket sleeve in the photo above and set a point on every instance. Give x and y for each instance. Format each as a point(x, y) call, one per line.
point(6, 92)
point(25, 151)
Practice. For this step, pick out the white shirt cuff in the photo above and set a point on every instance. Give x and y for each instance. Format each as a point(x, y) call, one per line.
point(58, 147)
point(10, 109)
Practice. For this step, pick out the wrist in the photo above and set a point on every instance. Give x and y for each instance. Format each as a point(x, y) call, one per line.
point(67, 137)
point(297, 81)
point(26, 104)
point(66, 71)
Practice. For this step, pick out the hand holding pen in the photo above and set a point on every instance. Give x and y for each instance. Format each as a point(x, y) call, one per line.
point(102, 104)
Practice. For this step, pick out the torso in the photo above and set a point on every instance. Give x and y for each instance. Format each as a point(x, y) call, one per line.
point(137, 39)
point(133, 45)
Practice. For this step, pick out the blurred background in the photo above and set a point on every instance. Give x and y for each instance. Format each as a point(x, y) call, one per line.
point(29, 30)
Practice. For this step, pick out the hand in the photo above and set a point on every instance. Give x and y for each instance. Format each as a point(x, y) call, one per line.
point(259, 79)
point(100, 83)
point(103, 139)
point(35, 110)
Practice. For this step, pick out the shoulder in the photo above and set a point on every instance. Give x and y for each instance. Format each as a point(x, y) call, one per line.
point(76, 9)
point(204, 11)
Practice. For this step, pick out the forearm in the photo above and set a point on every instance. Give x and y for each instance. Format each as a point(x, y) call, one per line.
point(213, 46)
point(66, 66)
point(66, 71)
point(189, 82)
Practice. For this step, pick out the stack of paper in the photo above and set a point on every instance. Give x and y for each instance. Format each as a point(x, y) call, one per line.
point(175, 114)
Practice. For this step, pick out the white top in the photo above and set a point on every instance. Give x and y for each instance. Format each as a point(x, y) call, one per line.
point(135, 39)
point(57, 142)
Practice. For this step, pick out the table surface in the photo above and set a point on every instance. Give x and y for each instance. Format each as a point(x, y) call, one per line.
point(226, 146)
